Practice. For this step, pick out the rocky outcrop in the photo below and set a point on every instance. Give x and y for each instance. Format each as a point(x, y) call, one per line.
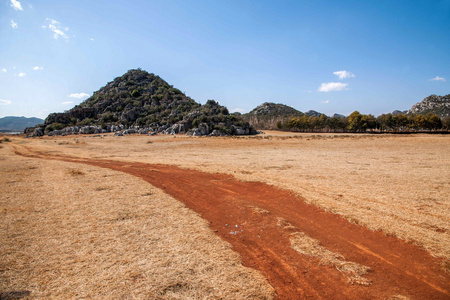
point(140, 102)
point(438, 105)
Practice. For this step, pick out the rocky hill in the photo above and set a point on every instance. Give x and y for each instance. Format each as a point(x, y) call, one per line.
point(18, 123)
point(142, 102)
point(267, 115)
point(313, 113)
point(438, 105)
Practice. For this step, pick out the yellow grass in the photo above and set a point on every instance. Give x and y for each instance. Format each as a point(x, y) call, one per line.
point(75, 231)
point(398, 184)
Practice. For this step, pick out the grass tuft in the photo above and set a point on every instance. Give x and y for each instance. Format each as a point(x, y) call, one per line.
point(75, 172)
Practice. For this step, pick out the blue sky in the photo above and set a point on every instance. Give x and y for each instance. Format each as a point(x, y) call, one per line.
point(329, 56)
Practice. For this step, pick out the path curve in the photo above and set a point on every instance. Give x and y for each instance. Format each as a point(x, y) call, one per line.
point(260, 220)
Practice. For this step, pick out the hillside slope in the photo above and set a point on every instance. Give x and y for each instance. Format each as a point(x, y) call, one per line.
point(140, 101)
point(438, 105)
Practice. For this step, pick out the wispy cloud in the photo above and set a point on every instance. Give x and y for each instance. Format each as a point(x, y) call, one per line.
point(16, 5)
point(4, 70)
point(5, 102)
point(344, 74)
point(92, 39)
point(437, 78)
point(325, 102)
point(333, 86)
point(21, 74)
point(14, 25)
point(79, 95)
point(67, 102)
point(58, 30)
point(37, 68)
point(239, 110)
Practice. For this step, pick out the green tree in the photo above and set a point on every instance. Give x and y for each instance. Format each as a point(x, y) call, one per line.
point(386, 122)
point(355, 122)
point(433, 122)
point(400, 121)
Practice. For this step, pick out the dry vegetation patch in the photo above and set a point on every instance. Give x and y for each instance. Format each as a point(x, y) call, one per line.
point(306, 245)
point(76, 231)
point(398, 184)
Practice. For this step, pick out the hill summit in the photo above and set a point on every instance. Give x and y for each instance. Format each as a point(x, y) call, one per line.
point(268, 114)
point(438, 105)
point(142, 102)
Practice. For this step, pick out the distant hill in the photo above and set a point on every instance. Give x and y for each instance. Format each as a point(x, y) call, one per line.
point(313, 113)
point(18, 123)
point(438, 105)
point(266, 115)
point(397, 112)
point(336, 115)
point(140, 101)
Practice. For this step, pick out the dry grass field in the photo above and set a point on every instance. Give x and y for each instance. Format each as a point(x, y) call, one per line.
point(75, 231)
point(113, 236)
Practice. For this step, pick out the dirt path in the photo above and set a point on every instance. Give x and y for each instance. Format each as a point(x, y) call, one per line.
point(333, 259)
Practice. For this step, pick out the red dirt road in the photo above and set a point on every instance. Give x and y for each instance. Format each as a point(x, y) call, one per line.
point(398, 269)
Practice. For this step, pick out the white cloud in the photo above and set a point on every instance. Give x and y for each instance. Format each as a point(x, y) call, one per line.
point(344, 74)
point(239, 110)
point(5, 102)
point(333, 86)
point(14, 24)
point(21, 74)
point(16, 5)
point(92, 39)
point(437, 78)
point(67, 102)
point(56, 27)
point(79, 95)
point(37, 68)
point(4, 70)
point(325, 102)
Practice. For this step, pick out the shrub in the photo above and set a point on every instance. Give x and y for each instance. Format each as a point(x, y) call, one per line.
point(135, 94)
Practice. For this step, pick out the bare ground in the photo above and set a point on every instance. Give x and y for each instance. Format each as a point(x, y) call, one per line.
point(395, 184)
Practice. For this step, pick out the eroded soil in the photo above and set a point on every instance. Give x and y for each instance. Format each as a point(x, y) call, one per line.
point(260, 222)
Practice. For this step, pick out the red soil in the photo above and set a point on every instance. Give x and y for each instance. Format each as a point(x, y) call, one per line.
point(398, 268)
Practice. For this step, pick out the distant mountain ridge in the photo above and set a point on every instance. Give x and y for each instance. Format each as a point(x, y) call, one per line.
point(18, 123)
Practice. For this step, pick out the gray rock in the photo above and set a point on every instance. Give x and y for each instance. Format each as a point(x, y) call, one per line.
point(203, 129)
point(129, 131)
point(55, 133)
point(216, 132)
point(38, 132)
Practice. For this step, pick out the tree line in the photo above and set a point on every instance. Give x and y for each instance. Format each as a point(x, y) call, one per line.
point(357, 122)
